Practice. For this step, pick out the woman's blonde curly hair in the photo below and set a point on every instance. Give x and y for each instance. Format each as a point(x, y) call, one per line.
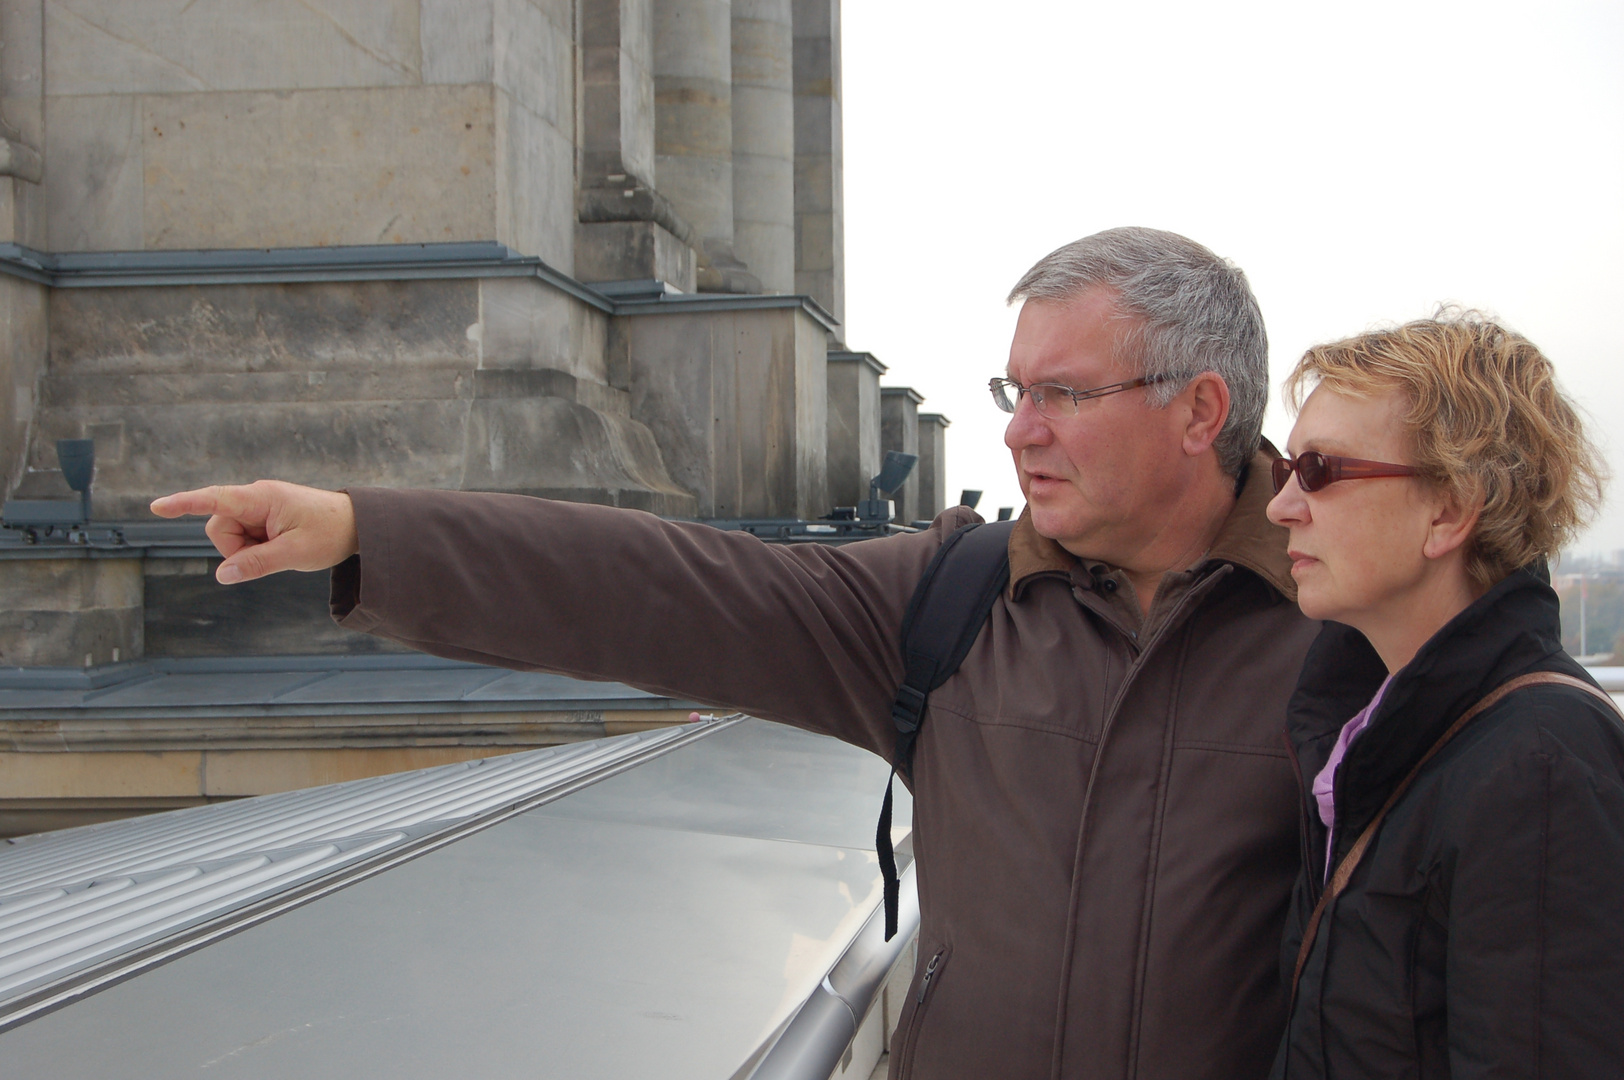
point(1490, 426)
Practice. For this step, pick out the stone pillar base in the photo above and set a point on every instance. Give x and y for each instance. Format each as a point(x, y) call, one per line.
point(69, 612)
point(632, 251)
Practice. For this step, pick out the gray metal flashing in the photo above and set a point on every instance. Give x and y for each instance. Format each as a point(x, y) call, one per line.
point(365, 262)
point(691, 303)
point(185, 539)
point(70, 678)
point(246, 266)
point(278, 687)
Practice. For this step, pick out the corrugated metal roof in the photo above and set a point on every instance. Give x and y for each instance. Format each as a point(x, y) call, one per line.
point(69, 900)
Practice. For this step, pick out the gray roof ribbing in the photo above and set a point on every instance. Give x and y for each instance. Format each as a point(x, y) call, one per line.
point(71, 899)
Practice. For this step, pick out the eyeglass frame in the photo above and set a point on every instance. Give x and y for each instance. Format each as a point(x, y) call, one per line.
point(1337, 468)
point(1077, 396)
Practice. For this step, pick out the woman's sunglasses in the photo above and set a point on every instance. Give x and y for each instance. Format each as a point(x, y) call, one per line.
point(1314, 470)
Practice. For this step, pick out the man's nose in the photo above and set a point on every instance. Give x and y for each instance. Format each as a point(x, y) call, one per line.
point(1026, 427)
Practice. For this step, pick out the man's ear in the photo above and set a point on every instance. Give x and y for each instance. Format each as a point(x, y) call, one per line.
point(1454, 520)
point(1207, 398)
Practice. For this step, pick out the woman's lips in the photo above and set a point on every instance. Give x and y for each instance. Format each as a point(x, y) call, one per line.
point(1299, 561)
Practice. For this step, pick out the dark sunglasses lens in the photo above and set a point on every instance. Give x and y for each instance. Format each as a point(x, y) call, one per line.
point(1281, 473)
point(1313, 471)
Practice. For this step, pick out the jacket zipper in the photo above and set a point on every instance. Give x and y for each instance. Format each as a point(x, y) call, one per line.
point(1174, 619)
point(1305, 807)
point(905, 1065)
point(930, 972)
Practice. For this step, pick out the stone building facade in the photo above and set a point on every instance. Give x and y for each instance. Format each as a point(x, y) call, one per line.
point(583, 249)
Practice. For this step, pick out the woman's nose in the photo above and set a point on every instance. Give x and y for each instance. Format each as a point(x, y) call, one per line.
point(1288, 507)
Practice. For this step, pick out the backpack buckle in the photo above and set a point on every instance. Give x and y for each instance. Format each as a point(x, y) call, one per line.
point(907, 709)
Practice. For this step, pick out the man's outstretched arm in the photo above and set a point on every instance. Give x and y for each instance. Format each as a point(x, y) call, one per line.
point(802, 633)
point(268, 526)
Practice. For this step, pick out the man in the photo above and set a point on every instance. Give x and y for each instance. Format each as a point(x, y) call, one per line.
point(1104, 812)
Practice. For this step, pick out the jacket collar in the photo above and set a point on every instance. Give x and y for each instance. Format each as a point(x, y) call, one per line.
point(1247, 538)
point(1513, 628)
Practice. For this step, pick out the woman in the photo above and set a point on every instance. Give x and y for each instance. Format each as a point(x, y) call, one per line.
point(1474, 927)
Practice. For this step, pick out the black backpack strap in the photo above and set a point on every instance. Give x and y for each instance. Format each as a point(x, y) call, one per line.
point(945, 616)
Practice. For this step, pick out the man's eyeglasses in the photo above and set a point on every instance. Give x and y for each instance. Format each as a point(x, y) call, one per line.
point(1059, 402)
point(1314, 470)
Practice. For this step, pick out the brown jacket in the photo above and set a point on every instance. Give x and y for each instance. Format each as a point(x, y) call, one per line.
point(1105, 817)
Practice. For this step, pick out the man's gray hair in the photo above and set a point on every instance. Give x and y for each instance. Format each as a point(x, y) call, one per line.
point(1198, 315)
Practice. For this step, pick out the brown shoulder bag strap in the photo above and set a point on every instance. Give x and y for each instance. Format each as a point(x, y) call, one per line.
point(1350, 861)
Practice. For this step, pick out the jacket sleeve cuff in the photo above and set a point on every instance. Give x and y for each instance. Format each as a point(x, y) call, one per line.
point(358, 588)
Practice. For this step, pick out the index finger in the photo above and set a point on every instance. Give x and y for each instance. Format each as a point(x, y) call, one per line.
point(231, 501)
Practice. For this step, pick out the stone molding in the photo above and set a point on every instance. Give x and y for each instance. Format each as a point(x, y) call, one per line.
point(380, 262)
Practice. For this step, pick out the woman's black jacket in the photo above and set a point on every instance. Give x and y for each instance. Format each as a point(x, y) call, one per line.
point(1482, 935)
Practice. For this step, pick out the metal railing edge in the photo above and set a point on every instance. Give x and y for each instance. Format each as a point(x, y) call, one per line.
point(810, 1046)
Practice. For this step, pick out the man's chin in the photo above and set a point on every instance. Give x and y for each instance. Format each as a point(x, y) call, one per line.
point(1050, 522)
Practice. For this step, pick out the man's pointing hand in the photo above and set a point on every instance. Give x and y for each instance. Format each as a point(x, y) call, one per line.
point(268, 526)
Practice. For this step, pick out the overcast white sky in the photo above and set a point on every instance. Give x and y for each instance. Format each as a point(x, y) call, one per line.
point(1360, 162)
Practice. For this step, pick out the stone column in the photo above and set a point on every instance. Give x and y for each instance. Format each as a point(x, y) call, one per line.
point(854, 425)
point(820, 224)
point(627, 230)
point(899, 430)
point(693, 130)
point(764, 141)
point(930, 475)
point(22, 221)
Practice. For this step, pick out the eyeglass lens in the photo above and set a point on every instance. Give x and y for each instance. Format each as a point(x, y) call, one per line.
point(1050, 399)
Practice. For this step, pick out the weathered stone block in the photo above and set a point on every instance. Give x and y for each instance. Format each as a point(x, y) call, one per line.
point(309, 329)
point(69, 612)
point(560, 449)
point(899, 430)
point(22, 70)
point(535, 60)
point(737, 402)
point(109, 775)
point(931, 472)
point(458, 39)
point(535, 184)
point(854, 425)
point(22, 362)
point(632, 250)
point(498, 384)
point(188, 613)
point(317, 167)
point(527, 324)
point(171, 46)
point(93, 184)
